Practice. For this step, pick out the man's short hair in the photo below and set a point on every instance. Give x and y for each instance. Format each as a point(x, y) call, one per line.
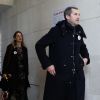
point(68, 11)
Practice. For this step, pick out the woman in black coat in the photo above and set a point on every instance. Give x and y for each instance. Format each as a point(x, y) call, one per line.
point(15, 66)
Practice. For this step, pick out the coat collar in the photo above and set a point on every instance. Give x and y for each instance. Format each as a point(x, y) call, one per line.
point(64, 27)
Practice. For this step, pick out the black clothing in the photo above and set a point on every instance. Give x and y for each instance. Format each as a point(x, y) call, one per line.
point(66, 50)
point(16, 63)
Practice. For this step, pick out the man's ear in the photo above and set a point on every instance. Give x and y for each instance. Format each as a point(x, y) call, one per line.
point(67, 17)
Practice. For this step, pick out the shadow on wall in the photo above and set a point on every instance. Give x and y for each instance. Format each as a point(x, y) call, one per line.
point(92, 76)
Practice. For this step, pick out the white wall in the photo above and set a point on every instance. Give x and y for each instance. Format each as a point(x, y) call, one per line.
point(34, 18)
point(0, 51)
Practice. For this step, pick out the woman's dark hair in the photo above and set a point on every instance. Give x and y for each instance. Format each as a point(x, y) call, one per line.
point(14, 37)
point(68, 11)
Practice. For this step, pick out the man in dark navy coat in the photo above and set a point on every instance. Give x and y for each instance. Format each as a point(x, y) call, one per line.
point(67, 55)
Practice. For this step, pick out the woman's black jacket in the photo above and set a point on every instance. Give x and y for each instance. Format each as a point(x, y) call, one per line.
point(10, 65)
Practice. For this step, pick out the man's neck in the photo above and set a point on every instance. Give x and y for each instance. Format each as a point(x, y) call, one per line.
point(71, 23)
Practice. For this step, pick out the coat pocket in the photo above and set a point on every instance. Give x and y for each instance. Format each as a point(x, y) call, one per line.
point(64, 76)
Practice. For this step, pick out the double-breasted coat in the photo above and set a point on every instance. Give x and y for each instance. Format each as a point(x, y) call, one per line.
point(10, 66)
point(66, 52)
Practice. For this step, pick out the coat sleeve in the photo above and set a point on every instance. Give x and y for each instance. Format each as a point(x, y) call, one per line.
point(6, 60)
point(26, 61)
point(84, 51)
point(26, 67)
point(41, 45)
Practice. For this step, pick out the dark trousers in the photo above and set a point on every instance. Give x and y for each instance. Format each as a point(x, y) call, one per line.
point(67, 90)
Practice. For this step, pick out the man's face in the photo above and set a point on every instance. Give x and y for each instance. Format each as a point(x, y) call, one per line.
point(74, 17)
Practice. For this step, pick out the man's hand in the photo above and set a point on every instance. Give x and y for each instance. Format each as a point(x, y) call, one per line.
point(85, 61)
point(51, 70)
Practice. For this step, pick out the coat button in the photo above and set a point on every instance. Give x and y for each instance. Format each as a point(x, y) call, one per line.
point(71, 56)
point(70, 82)
point(65, 65)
